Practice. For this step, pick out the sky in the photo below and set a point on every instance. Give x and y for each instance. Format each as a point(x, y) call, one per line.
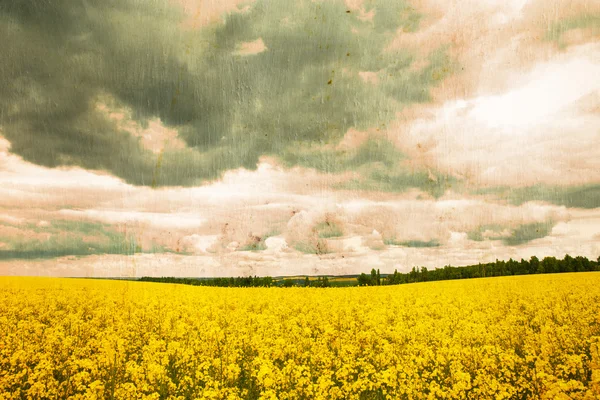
point(231, 138)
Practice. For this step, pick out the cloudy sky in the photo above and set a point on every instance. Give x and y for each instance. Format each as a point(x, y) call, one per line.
point(227, 137)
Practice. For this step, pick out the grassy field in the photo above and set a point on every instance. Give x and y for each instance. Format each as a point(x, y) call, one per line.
point(534, 336)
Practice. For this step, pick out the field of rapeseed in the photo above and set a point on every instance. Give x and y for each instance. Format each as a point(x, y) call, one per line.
point(496, 338)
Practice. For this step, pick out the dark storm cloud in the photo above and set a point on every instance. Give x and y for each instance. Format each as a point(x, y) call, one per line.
point(60, 58)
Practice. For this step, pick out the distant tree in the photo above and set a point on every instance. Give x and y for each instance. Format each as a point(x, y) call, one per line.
point(413, 275)
point(534, 265)
point(417, 274)
point(288, 283)
point(512, 266)
point(522, 268)
point(567, 264)
point(363, 280)
point(550, 265)
point(579, 264)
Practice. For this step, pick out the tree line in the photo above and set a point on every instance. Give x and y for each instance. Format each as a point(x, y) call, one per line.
point(548, 265)
point(240, 281)
point(243, 281)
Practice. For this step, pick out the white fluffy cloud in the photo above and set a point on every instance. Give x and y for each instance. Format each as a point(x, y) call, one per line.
point(542, 130)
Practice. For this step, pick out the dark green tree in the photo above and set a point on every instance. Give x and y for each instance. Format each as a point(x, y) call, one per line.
point(373, 276)
point(363, 280)
point(288, 283)
point(534, 265)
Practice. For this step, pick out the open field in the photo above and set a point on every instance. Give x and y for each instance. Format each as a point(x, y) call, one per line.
point(521, 337)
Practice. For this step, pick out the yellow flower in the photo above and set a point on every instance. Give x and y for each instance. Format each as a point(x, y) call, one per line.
point(500, 338)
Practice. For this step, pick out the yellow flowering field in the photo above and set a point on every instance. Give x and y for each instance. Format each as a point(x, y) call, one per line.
point(522, 337)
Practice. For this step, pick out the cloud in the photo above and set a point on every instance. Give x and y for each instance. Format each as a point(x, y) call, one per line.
point(529, 232)
point(573, 239)
point(205, 12)
point(543, 130)
point(199, 243)
point(10, 220)
point(577, 196)
point(303, 87)
point(574, 29)
point(375, 164)
point(67, 238)
point(269, 201)
point(521, 108)
point(516, 236)
point(287, 111)
point(276, 244)
point(246, 209)
point(251, 48)
point(415, 243)
point(160, 220)
point(550, 88)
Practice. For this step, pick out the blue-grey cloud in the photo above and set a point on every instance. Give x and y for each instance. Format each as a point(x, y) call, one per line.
point(60, 58)
point(580, 196)
point(69, 238)
point(513, 236)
